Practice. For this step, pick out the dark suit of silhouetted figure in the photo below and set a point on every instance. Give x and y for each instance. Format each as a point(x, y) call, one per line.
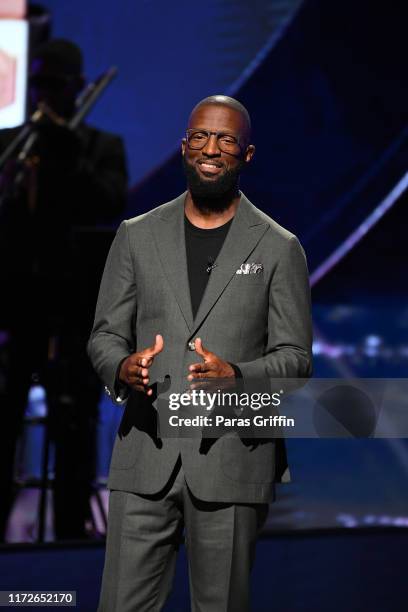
point(73, 181)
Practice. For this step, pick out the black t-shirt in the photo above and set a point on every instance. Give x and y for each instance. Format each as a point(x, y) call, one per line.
point(202, 249)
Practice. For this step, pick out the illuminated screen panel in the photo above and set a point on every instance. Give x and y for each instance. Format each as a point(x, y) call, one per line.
point(12, 8)
point(13, 71)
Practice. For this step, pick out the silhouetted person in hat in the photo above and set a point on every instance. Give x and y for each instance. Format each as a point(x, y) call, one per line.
point(71, 180)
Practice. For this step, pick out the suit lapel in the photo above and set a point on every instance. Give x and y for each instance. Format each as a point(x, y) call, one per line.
point(246, 230)
point(168, 231)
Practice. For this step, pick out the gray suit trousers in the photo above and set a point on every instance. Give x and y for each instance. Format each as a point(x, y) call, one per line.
point(144, 534)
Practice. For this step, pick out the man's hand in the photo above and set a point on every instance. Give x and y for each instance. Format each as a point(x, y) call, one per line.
point(134, 371)
point(212, 367)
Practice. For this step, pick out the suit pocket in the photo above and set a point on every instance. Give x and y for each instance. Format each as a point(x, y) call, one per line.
point(245, 280)
point(243, 463)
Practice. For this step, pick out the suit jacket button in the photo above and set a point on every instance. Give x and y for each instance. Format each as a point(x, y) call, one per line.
point(191, 345)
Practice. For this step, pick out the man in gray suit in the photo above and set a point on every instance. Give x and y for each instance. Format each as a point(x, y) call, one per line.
point(215, 289)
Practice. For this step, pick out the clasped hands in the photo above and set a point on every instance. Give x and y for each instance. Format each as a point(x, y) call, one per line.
point(134, 370)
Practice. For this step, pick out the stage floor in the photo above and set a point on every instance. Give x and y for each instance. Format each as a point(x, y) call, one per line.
point(341, 571)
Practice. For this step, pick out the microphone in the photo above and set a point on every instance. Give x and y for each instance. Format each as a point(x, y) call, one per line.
point(211, 265)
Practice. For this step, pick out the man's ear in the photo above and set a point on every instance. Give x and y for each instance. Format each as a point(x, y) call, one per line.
point(249, 153)
point(183, 145)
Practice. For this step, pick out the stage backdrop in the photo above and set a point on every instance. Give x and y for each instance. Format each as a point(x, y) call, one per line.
point(330, 103)
point(169, 55)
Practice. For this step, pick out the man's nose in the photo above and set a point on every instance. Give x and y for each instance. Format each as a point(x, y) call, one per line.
point(211, 146)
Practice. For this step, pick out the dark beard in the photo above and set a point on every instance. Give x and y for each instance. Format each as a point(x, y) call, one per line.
point(212, 195)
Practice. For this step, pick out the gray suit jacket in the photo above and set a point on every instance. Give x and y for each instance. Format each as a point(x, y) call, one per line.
point(261, 322)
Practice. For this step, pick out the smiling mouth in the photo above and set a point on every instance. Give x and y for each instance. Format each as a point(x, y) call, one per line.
point(209, 167)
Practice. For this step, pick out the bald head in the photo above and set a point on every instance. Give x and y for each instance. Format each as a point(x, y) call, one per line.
point(233, 104)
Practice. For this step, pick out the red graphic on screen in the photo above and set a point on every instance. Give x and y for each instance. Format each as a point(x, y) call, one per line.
point(12, 9)
point(8, 66)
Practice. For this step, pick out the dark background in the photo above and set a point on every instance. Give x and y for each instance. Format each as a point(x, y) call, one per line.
point(325, 84)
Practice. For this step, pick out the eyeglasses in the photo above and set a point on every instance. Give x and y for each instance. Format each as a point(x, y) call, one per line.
point(197, 139)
